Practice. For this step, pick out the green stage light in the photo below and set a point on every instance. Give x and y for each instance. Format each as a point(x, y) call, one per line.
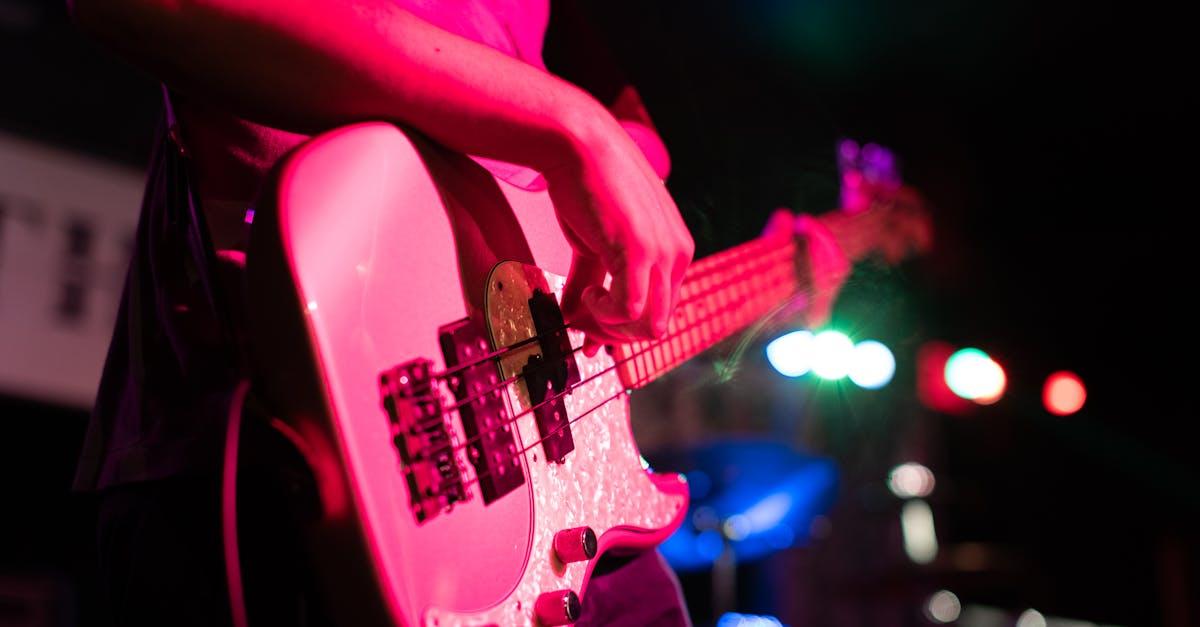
point(832, 355)
point(972, 374)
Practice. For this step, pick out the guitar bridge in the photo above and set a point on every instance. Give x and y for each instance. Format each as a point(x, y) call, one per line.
point(422, 438)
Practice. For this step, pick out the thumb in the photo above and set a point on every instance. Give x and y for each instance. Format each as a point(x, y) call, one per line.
point(780, 224)
point(586, 271)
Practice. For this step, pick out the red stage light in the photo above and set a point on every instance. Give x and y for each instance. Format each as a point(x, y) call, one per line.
point(1063, 393)
point(932, 389)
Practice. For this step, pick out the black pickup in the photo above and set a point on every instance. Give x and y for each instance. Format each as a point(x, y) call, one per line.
point(483, 408)
point(549, 375)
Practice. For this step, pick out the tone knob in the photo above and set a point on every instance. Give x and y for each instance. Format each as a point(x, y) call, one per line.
point(575, 545)
point(561, 607)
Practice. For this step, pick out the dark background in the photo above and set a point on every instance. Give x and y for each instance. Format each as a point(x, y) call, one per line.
point(1054, 145)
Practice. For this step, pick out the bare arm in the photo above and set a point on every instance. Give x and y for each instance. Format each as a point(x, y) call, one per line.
point(310, 66)
point(314, 65)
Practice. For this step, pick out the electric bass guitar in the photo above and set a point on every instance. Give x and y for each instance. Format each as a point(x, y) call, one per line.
point(471, 462)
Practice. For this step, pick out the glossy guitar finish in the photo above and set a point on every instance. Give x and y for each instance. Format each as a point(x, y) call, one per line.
point(373, 241)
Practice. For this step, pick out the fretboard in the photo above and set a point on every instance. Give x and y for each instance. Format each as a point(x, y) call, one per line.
point(721, 295)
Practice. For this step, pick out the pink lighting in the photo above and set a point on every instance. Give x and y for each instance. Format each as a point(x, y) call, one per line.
point(932, 389)
point(1064, 393)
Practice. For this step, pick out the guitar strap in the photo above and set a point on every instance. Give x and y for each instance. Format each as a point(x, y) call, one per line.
point(185, 218)
point(183, 206)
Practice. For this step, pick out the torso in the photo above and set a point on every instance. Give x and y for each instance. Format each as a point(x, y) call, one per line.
point(168, 378)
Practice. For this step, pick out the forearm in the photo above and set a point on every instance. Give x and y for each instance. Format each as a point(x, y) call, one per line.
point(334, 63)
point(651, 145)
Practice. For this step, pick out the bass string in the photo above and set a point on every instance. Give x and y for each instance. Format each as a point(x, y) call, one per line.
point(712, 314)
point(480, 476)
point(514, 378)
point(808, 290)
point(678, 332)
point(553, 398)
point(707, 263)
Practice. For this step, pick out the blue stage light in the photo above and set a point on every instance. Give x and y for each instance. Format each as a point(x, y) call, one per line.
point(734, 619)
point(767, 506)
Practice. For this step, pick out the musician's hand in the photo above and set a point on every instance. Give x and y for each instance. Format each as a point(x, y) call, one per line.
point(827, 262)
point(906, 221)
point(621, 221)
point(893, 223)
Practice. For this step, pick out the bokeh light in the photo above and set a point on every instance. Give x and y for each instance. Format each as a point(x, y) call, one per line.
point(709, 544)
point(943, 607)
point(930, 373)
point(872, 365)
point(973, 375)
point(1031, 618)
point(916, 526)
point(734, 619)
point(791, 354)
point(911, 480)
point(832, 354)
point(1064, 393)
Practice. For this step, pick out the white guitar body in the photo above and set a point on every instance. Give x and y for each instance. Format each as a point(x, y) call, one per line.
point(374, 240)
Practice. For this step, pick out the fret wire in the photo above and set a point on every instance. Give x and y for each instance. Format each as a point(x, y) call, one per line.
point(706, 280)
point(642, 381)
point(640, 362)
point(772, 269)
point(788, 281)
point(615, 367)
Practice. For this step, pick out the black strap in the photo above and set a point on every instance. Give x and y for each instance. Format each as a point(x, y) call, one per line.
point(185, 210)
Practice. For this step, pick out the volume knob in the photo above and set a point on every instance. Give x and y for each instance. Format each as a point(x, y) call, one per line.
point(575, 545)
point(561, 607)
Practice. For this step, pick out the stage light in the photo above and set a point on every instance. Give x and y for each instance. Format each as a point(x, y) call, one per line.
point(911, 479)
point(705, 517)
point(872, 365)
point(916, 526)
point(699, 484)
point(791, 354)
point(1063, 393)
point(943, 607)
point(709, 544)
point(972, 374)
point(734, 619)
point(832, 353)
point(780, 537)
point(932, 390)
point(1031, 618)
point(736, 527)
point(770, 512)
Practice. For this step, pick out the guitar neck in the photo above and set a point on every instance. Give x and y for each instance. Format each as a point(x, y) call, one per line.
point(721, 295)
